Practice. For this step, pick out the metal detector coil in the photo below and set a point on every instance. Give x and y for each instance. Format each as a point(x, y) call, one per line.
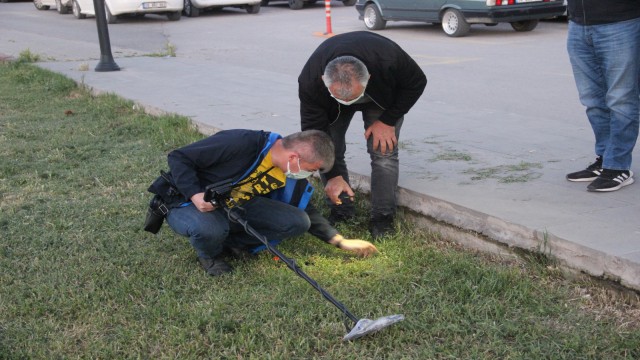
point(366, 326)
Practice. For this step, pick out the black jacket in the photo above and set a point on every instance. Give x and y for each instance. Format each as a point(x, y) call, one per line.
point(227, 155)
point(595, 12)
point(396, 81)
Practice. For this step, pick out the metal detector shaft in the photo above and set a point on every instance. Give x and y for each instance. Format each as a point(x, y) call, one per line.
point(233, 216)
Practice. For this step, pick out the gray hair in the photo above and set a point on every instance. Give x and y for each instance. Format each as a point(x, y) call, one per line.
point(313, 146)
point(343, 70)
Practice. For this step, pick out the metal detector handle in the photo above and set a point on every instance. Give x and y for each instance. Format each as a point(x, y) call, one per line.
point(219, 192)
point(233, 216)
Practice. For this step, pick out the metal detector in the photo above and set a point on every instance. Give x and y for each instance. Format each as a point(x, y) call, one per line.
point(219, 196)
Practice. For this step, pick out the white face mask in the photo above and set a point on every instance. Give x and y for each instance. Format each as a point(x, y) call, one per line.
point(301, 174)
point(347, 102)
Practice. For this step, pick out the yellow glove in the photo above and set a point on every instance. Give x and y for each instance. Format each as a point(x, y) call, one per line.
point(359, 247)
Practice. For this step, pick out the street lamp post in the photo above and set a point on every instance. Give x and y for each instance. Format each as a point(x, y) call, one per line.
point(106, 59)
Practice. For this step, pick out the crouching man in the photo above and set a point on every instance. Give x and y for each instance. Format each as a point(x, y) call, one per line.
point(258, 164)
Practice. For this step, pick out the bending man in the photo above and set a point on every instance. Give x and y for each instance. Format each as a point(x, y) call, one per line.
point(361, 71)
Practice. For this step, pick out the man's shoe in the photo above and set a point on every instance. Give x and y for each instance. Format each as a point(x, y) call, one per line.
point(380, 226)
point(611, 180)
point(214, 267)
point(589, 174)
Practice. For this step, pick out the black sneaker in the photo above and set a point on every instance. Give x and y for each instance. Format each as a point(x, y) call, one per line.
point(611, 180)
point(380, 226)
point(589, 174)
point(214, 267)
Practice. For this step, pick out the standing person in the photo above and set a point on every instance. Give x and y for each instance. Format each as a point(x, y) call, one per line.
point(257, 163)
point(361, 71)
point(604, 48)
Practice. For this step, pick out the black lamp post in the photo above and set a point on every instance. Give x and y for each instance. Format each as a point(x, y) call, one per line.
point(106, 59)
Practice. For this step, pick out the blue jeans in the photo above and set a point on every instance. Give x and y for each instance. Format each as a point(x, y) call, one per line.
point(209, 232)
point(384, 167)
point(606, 67)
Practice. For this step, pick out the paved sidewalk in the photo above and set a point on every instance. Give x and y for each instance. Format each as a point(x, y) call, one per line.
point(501, 180)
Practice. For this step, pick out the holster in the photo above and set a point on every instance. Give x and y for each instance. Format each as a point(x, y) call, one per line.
point(164, 187)
point(156, 213)
point(166, 197)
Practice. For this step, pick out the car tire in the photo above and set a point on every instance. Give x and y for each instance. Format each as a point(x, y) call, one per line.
point(189, 10)
point(77, 11)
point(525, 25)
point(372, 18)
point(39, 6)
point(264, 2)
point(111, 19)
point(173, 16)
point(253, 9)
point(454, 24)
point(296, 4)
point(349, 2)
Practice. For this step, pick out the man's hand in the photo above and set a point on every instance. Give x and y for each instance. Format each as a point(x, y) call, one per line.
point(203, 206)
point(336, 186)
point(359, 247)
point(384, 136)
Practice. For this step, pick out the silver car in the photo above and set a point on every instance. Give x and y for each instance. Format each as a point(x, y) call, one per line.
point(456, 16)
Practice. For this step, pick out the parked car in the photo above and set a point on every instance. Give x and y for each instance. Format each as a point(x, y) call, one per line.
point(456, 15)
point(63, 6)
point(114, 9)
point(192, 8)
point(299, 4)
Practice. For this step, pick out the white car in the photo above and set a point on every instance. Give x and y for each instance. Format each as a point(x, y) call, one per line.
point(192, 8)
point(116, 8)
point(63, 6)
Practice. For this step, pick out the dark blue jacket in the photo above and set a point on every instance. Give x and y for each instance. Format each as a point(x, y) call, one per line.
point(228, 154)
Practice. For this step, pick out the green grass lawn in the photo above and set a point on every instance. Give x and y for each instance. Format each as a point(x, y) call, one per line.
point(79, 278)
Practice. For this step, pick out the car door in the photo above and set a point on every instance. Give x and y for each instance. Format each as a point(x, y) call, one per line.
point(428, 10)
point(399, 9)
